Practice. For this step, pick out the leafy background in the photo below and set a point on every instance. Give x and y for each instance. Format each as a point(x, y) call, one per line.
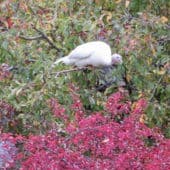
point(33, 34)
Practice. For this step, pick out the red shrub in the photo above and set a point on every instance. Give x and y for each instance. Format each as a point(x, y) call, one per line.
point(117, 104)
point(57, 110)
point(100, 142)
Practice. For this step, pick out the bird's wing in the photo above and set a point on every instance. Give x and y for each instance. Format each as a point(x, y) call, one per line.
point(81, 52)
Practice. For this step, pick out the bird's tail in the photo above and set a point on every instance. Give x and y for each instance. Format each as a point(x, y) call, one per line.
point(64, 60)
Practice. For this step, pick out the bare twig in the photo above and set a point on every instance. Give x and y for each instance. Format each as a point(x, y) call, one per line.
point(156, 86)
point(129, 85)
point(68, 71)
point(103, 87)
point(30, 38)
point(44, 36)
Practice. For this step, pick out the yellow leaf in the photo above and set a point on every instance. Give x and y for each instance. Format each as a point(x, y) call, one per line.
point(127, 3)
point(140, 95)
point(153, 50)
point(128, 77)
point(133, 105)
point(118, 1)
point(159, 72)
point(143, 118)
point(36, 123)
point(109, 16)
point(18, 91)
point(99, 2)
point(164, 19)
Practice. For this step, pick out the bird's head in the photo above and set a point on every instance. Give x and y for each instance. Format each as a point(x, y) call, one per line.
point(116, 59)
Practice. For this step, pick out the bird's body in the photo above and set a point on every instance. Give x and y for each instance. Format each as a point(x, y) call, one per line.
point(95, 53)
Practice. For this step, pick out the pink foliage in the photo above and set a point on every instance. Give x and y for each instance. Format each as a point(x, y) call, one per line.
point(99, 142)
point(57, 110)
point(116, 104)
point(77, 106)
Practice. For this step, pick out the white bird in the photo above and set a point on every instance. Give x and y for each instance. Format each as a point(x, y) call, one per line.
point(95, 53)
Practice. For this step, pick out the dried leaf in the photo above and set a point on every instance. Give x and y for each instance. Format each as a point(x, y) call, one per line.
point(164, 19)
point(143, 118)
point(109, 17)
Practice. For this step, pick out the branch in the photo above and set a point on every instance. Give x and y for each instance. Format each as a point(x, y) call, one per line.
point(30, 38)
point(103, 87)
point(44, 36)
point(128, 84)
point(68, 71)
point(156, 86)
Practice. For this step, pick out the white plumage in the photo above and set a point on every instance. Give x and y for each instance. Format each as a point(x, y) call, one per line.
point(95, 53)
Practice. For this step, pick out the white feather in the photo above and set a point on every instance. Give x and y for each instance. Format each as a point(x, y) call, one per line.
point(94, 53)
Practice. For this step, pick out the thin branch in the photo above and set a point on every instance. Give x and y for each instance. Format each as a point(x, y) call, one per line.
point(68, 71)
point(103, 87)
point(12, 68)
point(30, 38)
point(44, 36)
point(156, 86)
point(128, 84)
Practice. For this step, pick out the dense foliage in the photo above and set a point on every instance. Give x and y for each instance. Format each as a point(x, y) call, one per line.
point(66, 120)
point(114, 139)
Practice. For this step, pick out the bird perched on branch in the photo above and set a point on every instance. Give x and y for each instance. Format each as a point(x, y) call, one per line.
point(95, 53)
